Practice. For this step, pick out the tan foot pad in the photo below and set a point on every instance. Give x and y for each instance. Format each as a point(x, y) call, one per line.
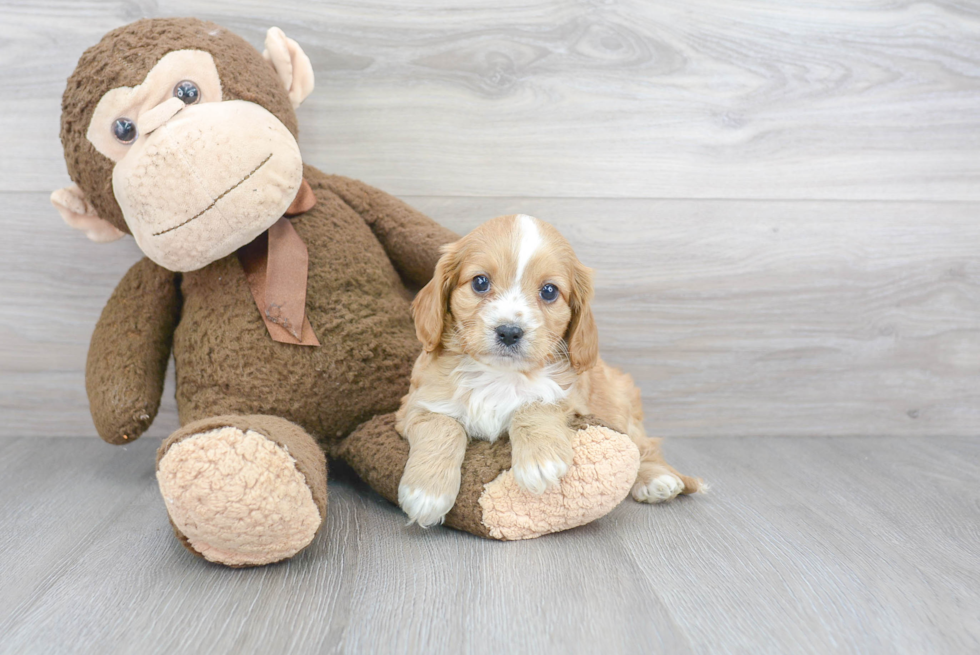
point(237, 497)
point(601, 476)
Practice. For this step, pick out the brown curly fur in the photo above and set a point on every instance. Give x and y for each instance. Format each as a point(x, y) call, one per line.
point(367, 251)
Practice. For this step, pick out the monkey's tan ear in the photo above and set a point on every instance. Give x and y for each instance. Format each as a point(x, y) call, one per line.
point(291, 64)
point(79, 213)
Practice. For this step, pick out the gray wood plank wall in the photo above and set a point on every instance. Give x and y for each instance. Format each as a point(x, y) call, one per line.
point(780, 198)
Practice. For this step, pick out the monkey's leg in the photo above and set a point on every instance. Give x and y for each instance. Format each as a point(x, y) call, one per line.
point(490, 503)
point(243, 490)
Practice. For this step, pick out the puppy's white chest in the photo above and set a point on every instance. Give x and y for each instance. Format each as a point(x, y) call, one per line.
point(486, 398)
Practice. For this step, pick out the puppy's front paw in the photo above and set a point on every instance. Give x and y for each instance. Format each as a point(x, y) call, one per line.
point(540, 464)
point(428, 490)
point(536, 477)
point(660, 489)
point(425, 507)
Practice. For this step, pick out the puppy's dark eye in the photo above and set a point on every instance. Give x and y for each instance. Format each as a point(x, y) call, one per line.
point(187, 92)
point(549, 293)
point(124, 130)
point(481, 284)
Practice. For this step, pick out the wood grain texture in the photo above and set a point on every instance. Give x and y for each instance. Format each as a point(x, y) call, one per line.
point(779, 318)
point(780, 200)
point(679, 99)
point(848, 545)
point(734, 317)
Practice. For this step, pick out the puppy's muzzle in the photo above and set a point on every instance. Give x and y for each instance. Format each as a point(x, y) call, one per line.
point(509, 334)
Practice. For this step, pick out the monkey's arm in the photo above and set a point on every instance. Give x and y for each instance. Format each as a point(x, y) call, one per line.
point(410, 238)
point(127, 358)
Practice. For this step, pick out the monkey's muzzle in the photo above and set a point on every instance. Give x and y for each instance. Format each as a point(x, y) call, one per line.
point(207, 181)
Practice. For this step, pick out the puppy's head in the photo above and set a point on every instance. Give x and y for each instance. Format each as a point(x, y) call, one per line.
point(511, 294)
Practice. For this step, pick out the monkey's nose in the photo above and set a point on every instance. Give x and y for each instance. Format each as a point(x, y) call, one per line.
point(159, 115)
point(509, 334)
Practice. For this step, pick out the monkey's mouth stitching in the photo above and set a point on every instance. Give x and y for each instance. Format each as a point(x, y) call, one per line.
point(215, 201)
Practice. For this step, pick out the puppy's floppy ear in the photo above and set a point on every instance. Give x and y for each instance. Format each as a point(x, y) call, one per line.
point(582, 336)
point(432, 302)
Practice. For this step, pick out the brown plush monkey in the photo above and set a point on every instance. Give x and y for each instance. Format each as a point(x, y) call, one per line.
point(282, 292)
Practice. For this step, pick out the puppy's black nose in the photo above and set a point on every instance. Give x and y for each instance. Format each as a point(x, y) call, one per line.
point(509, 334)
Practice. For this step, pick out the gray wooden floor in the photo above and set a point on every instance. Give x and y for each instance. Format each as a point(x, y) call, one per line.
point(780, 199)
point(806, 545)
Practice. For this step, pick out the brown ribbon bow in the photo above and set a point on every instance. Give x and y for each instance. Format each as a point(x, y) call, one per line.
point(276, 265)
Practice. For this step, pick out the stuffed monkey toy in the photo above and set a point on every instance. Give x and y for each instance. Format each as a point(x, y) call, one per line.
point(282, 293)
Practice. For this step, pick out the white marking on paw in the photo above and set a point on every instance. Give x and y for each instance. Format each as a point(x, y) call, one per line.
point(660, 489)
point(424, 508)
point(537, 477)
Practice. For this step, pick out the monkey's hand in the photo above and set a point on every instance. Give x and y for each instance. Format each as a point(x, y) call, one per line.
point(127, 358)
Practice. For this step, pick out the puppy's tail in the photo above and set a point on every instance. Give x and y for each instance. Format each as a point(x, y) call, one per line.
point(693, 485)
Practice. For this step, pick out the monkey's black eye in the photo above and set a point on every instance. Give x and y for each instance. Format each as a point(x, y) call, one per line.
point(187, 92)
point(549, 293)
point(481, 284)
point(124, 130)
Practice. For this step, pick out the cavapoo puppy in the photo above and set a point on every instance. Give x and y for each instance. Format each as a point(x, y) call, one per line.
point(510, 346)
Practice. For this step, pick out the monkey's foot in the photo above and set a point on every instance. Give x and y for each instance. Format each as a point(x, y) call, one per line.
point(243, 490)
point(600, 477)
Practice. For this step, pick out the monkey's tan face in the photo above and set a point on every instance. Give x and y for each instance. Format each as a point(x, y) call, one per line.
point(196, 178)
point(231, 170)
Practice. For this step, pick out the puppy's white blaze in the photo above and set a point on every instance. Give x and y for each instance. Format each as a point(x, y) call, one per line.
point(423, 508)
point(486, 398)
point(512, 308)
point(530, 240)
